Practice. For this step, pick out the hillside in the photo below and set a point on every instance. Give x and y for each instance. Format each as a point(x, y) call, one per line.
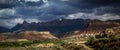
point(29, 35)
point(95, 28)
point(34, 35)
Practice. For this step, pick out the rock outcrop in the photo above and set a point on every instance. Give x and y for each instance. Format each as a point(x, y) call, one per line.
point(34, 35)
point(28, 35)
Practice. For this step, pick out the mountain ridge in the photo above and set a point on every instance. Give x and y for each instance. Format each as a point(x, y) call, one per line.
point(63, 26)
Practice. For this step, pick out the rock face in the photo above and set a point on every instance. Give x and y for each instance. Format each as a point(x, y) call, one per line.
point(113, 31)
point(2, 37)
point(34, 35)
point(95, 28)
point(28, 35)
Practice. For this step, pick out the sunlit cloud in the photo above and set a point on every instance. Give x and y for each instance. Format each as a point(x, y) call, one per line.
point(32, 0)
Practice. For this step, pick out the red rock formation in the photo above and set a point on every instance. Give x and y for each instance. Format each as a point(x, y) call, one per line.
point(34, 35)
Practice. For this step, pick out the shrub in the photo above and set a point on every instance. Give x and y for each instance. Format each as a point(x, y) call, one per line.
point(90, 40)
point(106, 44)
point(28, 43)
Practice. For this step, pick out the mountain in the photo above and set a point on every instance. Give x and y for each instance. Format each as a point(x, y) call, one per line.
point(117, 20)
point(29, 35)
point(35, 35)
point(95, 27)
point(2, 37)
point(56, 27)
point(63, 27)
point(3, 29)
point(102, 25)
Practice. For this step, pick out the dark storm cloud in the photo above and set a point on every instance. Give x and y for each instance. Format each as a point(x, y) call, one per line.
point(89, 4)
point(2, 6)
point(47, 10)
point(8, 3)
point(108, 9)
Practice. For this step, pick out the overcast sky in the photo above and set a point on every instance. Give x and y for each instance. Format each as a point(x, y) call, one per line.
point(16, 11)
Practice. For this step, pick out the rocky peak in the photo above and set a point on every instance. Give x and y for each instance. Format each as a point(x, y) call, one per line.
point(25, 22)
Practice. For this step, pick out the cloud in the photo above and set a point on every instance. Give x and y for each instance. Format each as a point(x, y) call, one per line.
point(5, 12)
point(93, 16)
point(8, 3)
point(32, 0)
point(11, 22)
point(30, 20)
point(64, 0)
point(47, 10)
point(107, 9)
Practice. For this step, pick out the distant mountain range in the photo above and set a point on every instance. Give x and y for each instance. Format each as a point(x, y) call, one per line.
point(3, 29)
point(61, 27)
point(57, 27)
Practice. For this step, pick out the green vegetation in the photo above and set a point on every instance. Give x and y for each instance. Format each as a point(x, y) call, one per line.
point(111, 43)
point(15, 44)
point(28, 43)
point(72, 46)
point(48, 41)
point(90, 40)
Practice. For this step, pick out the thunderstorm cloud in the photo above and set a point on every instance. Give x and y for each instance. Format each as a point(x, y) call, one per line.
point(13, 12)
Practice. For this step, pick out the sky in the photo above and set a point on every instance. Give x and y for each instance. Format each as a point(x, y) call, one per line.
point(13, 12)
